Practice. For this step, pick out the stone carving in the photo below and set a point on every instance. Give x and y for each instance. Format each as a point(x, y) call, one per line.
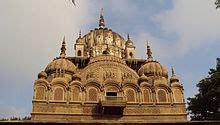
point(75, 88)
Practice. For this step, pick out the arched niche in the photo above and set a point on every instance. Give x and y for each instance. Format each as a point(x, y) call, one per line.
point(59, 93)
point(162, 96)
point(130, 95)
point(40, 92)
point(177, 95)
point(92, 94)
point(75, 93)
point(146, 94)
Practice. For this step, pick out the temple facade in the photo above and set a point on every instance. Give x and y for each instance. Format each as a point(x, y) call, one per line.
point(105, 82)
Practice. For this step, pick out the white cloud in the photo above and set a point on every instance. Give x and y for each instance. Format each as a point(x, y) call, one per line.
point(195, 22)
point(31, 32)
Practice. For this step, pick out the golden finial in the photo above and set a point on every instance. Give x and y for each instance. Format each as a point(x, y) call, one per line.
point(101, 20)
point(149, 53)
point(63, 48)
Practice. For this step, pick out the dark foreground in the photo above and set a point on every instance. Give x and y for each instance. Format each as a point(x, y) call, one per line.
point(116, 123)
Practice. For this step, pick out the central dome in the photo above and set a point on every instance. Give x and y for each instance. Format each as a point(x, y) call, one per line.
point(98, 40)
point(99, 37)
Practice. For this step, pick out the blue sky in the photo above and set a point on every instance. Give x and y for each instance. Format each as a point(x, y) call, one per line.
point(182, 33)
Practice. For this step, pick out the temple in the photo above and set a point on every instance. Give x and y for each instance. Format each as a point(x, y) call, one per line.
point(105, 82)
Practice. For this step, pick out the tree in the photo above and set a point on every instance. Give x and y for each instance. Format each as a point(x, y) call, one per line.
point(217, 3)
point(206, 104)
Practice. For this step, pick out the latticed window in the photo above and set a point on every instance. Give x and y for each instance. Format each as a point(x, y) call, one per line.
point(92, 94)
point(58, 94)
point(75, 92)
point(79, 53)
point(146, 95)
point(162, 96)
point(178, 97)
point(40, 93)
point(130, 94)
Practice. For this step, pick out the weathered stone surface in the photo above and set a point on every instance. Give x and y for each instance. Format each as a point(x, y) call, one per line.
point(81, 88)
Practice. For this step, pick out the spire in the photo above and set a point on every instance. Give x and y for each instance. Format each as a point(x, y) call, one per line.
point(172, 70)
point(80, 34)
point(101, 20)
point(173, 77)
point(63, 48)
point(149, 53)
point(128, 36)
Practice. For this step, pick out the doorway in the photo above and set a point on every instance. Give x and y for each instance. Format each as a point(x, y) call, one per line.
point(111, 93)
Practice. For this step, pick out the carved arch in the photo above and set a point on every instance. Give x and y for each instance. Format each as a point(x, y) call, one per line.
point(130, 94)
point(40, 92)
point(58, 93)
point(164, 86)
point(94, 84)
point(75, 93)
point(112, 83)
point(146, 94)
point(60, 81)
point(178, 95)
point(132, 85)
point(162, 95)
point(78, 83)
point(92, 94)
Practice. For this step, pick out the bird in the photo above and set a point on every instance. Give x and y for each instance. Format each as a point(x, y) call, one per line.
point(217, 3)
point(73, 2)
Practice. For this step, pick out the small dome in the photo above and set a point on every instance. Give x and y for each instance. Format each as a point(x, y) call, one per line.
point(129, 43)
point(174, 79)
point(151, 68)
point(176, 84)
point(60, 64)
point(42, 75)
point(79, 41)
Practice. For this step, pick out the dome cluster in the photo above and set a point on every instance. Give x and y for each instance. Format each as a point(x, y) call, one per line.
point(101, 42)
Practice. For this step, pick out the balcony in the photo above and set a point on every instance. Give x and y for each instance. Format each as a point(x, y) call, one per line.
point(113, 105)
point(113, 101)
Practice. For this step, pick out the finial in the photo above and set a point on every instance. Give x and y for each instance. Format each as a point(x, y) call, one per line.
point(101, 20)
point(80, 34)
point(128, 36)
point(172, 70)
point(63, 48)
point(101, 13)
point(149, 53)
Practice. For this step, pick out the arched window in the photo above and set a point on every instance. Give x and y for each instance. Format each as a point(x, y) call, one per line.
point(92, 94)
point(40, 93)
point(162, 96)
point(131, 55)
point(178, 96)
point(79, 53)
point(146, 95)
point(58, 94)
point(130, 94)
point(75, 92)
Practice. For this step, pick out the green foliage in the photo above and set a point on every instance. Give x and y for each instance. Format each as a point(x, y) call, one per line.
point(206, 104)
point(3, 119)
point(26, 118)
